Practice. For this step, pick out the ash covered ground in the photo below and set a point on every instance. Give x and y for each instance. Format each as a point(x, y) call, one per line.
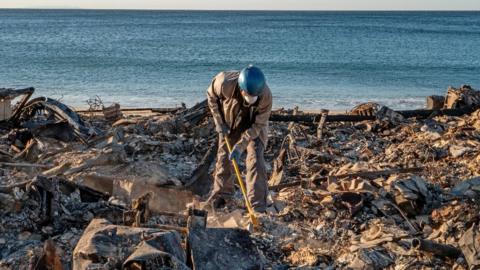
point(387, 193)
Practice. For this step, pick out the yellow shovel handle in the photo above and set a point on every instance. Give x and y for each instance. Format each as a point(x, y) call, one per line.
point(253, 218)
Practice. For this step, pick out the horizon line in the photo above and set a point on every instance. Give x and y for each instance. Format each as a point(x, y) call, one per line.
point(302, 10)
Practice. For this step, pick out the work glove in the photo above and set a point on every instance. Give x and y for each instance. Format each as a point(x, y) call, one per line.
point(235, 154)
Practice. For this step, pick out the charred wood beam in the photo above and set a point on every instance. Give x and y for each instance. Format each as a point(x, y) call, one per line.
point(315, 118)
point(436, 248)
point(155, 110)
point(194, 115)
point(420, 114)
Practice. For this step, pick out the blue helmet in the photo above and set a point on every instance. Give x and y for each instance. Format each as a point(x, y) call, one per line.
point(252, 80)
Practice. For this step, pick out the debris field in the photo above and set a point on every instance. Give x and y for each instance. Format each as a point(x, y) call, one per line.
point(108, 188)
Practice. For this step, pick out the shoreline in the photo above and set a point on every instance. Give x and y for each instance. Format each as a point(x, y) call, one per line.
point(132, 110)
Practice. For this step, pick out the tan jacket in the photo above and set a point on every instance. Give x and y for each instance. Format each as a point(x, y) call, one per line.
point(221, 91)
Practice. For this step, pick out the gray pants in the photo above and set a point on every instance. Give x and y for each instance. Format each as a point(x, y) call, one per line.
point(256, 182)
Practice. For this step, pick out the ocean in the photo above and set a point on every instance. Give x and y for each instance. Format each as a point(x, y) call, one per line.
point(313, 60)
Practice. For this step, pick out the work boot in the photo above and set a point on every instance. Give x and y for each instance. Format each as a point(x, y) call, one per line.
point(215, 201)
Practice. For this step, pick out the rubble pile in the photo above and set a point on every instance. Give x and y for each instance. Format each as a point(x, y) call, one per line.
point(83, 192)
point(343, 212)
point(52, 186)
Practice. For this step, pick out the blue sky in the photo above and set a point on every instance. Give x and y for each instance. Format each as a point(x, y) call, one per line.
point(250, 4)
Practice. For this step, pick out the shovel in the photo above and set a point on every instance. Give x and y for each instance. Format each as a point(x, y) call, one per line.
point(253, 218)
